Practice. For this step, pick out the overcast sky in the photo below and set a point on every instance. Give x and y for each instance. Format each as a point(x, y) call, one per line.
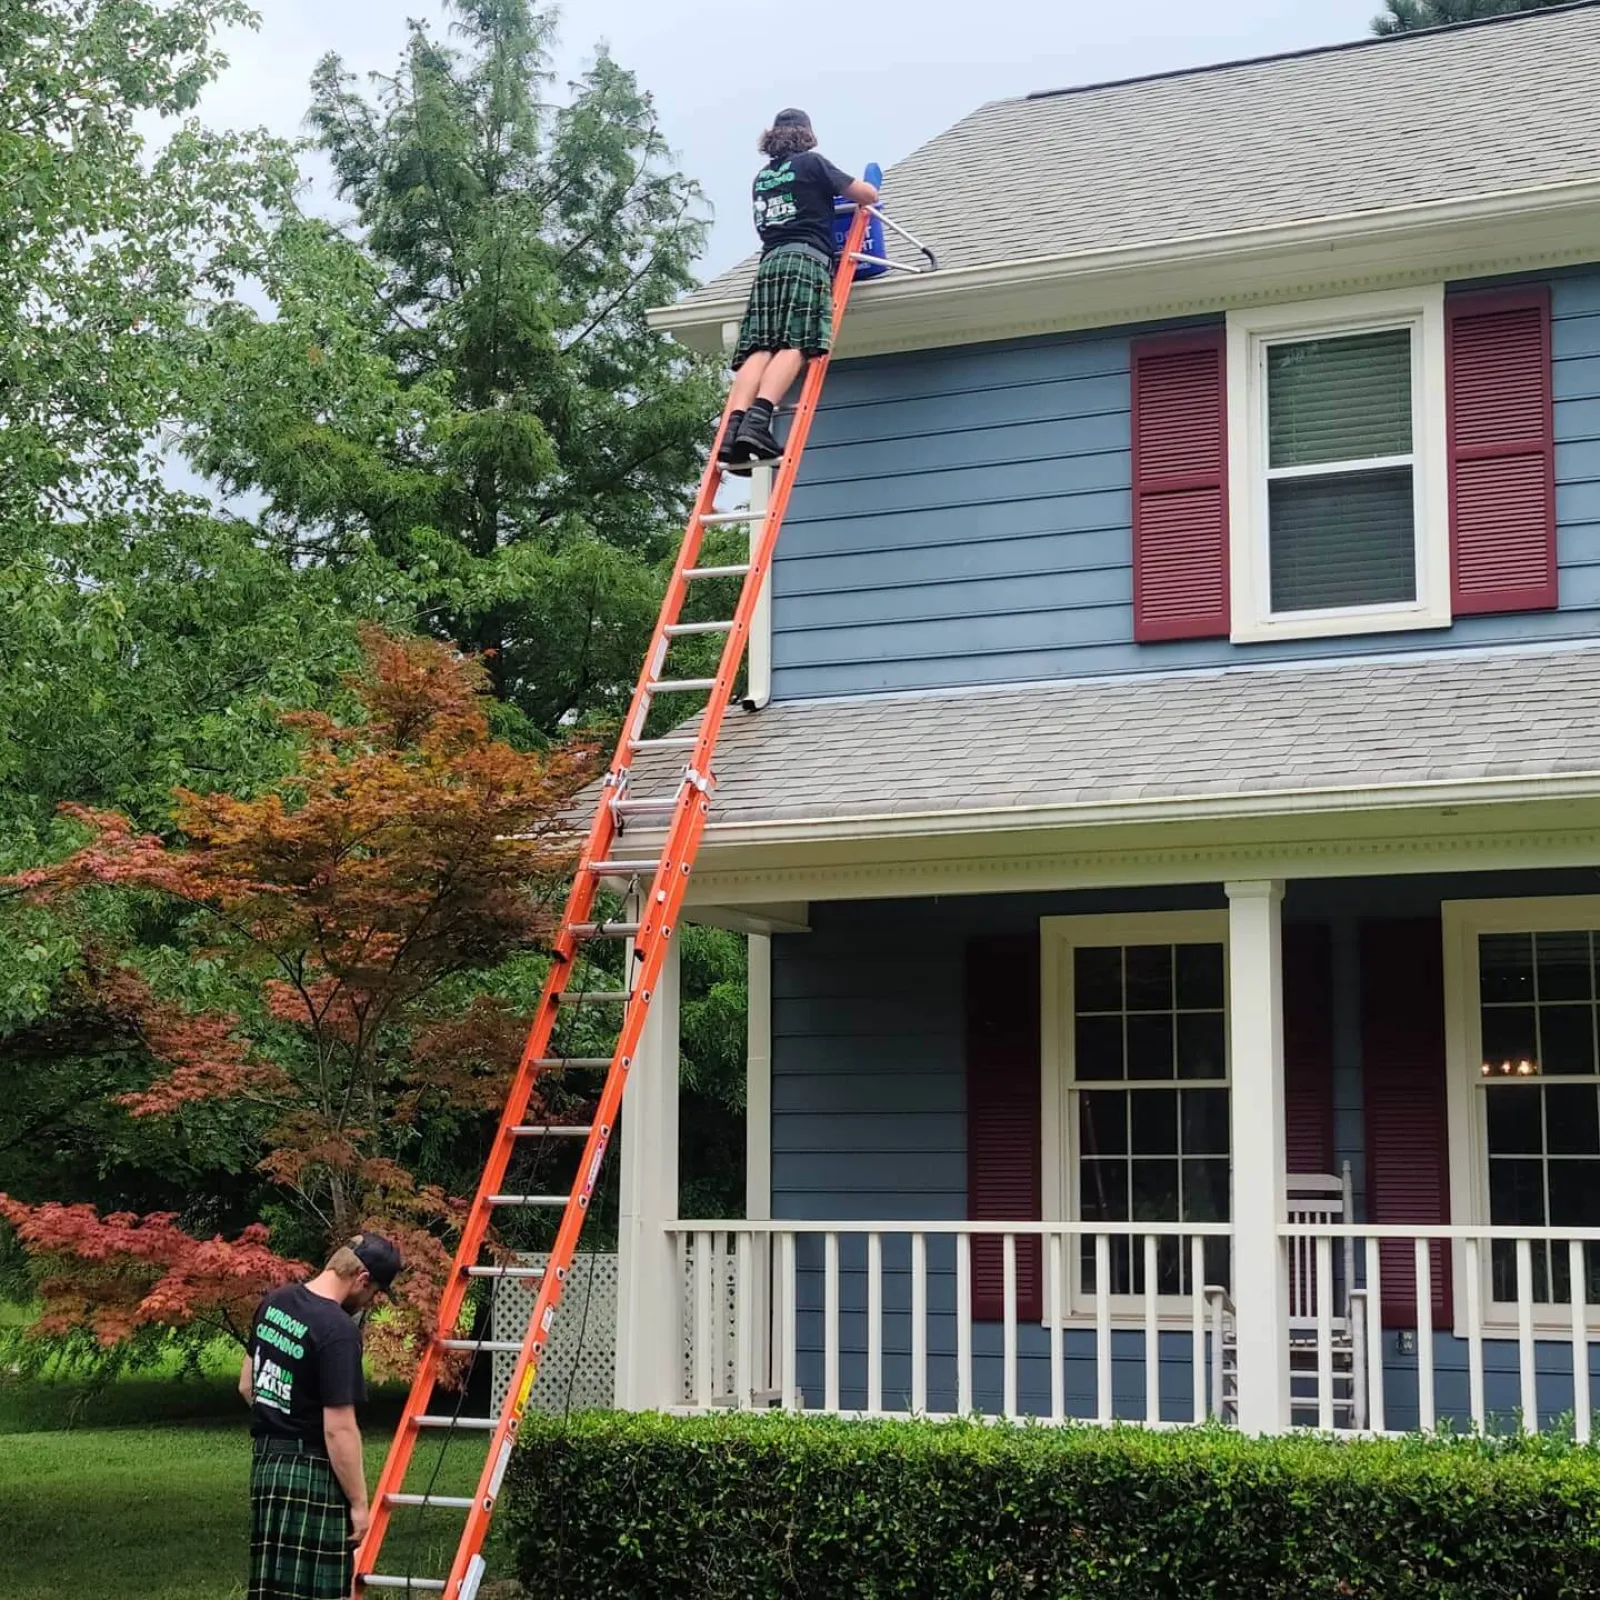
point(888, 74)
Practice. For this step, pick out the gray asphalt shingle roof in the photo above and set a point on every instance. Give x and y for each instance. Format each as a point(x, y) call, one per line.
point(1449, 115)
point(1237, 732)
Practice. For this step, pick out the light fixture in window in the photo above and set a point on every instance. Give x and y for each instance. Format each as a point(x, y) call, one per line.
point(1523, 1068)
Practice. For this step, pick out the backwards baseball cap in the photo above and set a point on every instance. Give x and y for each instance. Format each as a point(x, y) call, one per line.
point(379, 1256)
point(790, 117)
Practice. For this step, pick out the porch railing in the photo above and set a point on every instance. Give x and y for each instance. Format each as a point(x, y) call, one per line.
point(877, 1318)
point(1465, 1326)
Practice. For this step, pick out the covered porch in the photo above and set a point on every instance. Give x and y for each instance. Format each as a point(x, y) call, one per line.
point(1148, 1117)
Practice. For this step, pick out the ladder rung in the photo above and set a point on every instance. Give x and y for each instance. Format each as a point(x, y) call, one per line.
point(591, 1063)
point(680, 743)
point(595, 997)
point(724, 519)
point(551, 1200)
point(454, 1502)
point(552, 1130)
point(623, 868)
point(680, 685)
point(677, 630)
point(505, 1272)
point(718, 572)
point(477, 1424)
point(603, 930)
point(379, 1580)
point(497, 1346)
point(655, 803)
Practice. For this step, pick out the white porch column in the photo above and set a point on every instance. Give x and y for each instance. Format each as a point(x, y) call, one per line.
point(1260, 1281)
point(649, 1294)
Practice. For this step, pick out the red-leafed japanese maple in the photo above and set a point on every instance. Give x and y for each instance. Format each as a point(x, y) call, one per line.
point(349, 910)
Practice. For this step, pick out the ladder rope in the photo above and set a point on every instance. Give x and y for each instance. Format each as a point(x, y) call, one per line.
point(657, 920)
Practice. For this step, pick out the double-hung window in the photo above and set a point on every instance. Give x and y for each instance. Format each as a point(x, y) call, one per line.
point(1340, 517)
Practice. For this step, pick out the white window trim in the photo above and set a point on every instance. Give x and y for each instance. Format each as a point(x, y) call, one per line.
point(1464, 921)
point(1250, 332)
point(1058, 937)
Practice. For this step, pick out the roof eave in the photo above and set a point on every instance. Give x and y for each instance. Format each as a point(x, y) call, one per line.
point(1476, 235)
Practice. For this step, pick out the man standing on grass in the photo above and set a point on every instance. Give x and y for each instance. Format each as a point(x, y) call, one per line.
point(302, 1380)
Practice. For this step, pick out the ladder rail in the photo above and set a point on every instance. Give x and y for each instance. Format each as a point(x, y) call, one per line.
point(658, 920)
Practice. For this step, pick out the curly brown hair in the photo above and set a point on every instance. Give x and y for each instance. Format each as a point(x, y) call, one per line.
point(788, 140)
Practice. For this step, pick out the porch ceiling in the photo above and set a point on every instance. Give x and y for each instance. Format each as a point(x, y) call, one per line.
point(1241, 742)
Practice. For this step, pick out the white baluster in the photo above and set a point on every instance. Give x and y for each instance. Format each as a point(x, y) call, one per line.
point(1197, 1306)
point(1152, 1334)
point(1102, 1327)
point(919, 1323)
point(1375, 1396)
point(1009, 1358)
point(830, 1322)
point(1426, 1411)
point(1525, 1346)
point(1058, 1374)
point(964, 1324)
point(791, 1316)
point(1218, 1375)
point(744, 1375)
point(1475, 1336)
point(874, 1323)
point(1324, 1283)
point(1578, 1268)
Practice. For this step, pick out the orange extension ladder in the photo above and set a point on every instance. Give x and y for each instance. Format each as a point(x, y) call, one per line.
point(684, 811)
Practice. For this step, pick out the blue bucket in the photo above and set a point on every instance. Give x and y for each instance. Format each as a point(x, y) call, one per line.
point(874, 245)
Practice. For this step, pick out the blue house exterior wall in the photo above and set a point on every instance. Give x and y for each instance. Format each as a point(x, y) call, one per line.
point(964, 516)
point(869, 1123)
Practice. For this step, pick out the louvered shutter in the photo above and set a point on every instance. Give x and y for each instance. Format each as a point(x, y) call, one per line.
point(1403, 1061)
point(1180, 487)
point(1003, 1116)
point(1308, 1047)
point(1502, 451)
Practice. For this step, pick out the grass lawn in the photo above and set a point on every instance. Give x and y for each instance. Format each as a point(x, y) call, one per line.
point(146, 1497)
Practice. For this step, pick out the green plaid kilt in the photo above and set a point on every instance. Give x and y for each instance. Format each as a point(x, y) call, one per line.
point(300, 1545)
point(791, 307)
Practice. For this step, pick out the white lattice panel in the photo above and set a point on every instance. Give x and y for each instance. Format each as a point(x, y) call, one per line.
point(578, 1372)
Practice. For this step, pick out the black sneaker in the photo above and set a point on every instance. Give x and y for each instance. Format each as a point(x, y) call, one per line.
point(755, 439)
point(732, 453)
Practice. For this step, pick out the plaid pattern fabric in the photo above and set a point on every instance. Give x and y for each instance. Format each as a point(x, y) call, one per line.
point(299, 1530)
point(791, 307)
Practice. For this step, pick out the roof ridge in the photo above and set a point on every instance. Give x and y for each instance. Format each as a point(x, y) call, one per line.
point(1340, 47)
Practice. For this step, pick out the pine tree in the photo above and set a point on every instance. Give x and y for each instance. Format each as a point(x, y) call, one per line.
point(1408, 16)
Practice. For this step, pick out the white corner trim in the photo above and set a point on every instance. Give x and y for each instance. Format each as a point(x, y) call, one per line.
point(1463, 921)
point(758, 1080)
point(1250, 332)
point(1058, 938)
point(758, 651)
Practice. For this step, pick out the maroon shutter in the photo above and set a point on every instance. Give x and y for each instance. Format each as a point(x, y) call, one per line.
point(1502, 451)
point(1180, 487)
point(1403, 1065)
point(1003, 1116)
point(1308, 1046)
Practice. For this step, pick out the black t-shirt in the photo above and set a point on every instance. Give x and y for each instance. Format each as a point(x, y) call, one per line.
point(793, 201)
point(305, 1353)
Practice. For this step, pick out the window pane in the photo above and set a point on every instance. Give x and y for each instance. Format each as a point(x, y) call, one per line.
point(1205, 1191)
point(1339, 399)
point(1154, 1121)
point(1155, 1191)
point(1515, 1126)
point(1566, 1040)
point(1103, 1124)
point(1348, 539)
point(1516, 1192)
point(1205, 1121)
point(1202, 1046)
point(1097, 980)
point(1103, 1191)
point(1572, 1121)
point(1150, 1047)
point(1099, 1047)
point(1574, 1195)
point(1563, 966)
point(1505, 967)
point(1200, 977)
point(1508, 1035)
point(1150, 977)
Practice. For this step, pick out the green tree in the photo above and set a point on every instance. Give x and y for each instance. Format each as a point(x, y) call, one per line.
point(1407, 16)
point(463, 387)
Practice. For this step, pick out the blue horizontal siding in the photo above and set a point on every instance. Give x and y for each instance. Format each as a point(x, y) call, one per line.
point(965, 517)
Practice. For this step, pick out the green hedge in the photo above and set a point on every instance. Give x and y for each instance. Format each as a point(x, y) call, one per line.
point(736, 1508)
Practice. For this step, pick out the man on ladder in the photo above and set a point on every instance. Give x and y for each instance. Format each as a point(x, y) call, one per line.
point(789, 317)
